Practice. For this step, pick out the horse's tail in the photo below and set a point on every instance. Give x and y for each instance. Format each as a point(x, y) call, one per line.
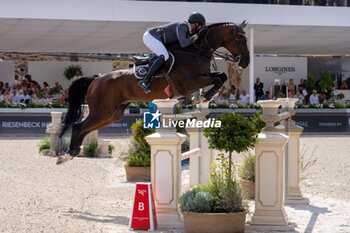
point(76, 96)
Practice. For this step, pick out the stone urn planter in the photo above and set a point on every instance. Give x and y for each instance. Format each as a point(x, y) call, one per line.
point(138, 173)
point(248, 188)
point(90, 154)
point(214, 222)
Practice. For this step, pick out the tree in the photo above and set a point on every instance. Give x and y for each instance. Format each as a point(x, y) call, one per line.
point(235, 134)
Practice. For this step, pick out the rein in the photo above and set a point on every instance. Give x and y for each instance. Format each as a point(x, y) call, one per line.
point(226, 56)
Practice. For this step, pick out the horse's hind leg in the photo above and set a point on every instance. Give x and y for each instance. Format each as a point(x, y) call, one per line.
point(91, 123)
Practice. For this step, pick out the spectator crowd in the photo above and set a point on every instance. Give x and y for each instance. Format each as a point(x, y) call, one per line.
point(27, 90)
point(305, 94)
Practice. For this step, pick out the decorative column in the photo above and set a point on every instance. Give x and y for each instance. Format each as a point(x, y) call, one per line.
point(54, 129)
point(166, 169)
point(103, 148)
point(294, 195)
point(269, 214)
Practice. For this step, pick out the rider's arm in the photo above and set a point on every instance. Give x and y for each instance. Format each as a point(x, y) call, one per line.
point(182, 32)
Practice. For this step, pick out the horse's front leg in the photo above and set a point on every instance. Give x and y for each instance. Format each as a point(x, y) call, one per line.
point(218, 78)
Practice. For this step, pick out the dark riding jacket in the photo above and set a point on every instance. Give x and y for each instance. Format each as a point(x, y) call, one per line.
point(173, 32)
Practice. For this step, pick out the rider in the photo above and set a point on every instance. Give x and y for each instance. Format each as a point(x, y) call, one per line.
point(155, 39)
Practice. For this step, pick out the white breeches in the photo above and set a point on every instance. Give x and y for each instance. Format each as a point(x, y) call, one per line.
point(155, 45)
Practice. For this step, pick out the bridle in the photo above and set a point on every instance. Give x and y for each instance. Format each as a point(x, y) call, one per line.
point(227, 56)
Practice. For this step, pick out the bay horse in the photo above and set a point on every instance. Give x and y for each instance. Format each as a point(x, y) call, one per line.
point(109, 94)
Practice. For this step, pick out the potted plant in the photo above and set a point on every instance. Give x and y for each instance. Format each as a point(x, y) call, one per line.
point(223, 207)
point(90, 150)
point(340, 98)
point(44, 146)
point(247, 174)
point(138, 154)
point(70, 71)
point(111, 148)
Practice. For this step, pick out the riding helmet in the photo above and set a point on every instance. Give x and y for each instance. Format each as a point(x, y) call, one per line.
point(196, 17)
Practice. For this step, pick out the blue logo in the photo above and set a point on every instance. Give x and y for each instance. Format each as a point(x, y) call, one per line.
point(151, 120)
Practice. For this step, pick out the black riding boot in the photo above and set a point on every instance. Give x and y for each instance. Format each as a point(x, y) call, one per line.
point(147, 80)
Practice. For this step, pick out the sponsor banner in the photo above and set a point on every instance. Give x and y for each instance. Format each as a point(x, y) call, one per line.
point(323, 122)
point(35, 124)
point(278, 70)
point(317, 123)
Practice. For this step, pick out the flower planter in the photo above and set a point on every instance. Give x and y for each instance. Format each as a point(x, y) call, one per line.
point(214, 222)
point(138, 173)
point(89, 154)
point(248, 189)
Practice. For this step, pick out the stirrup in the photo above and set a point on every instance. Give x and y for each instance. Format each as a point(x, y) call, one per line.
point(145, 87)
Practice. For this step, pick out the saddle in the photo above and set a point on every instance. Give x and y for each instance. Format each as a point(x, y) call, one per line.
point(142, 65)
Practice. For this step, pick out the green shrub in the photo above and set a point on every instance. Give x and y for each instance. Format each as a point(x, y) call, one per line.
point(235, 134)
point(197, 200)
point(280, 95)
point(131, 149)
point(310, 83)
point(139, 134)
point(139, 159)
point(55, 90)
point(41, 95)
point(247, 170)
point(325, 84)
point(257, 122)
point(339, 105)
point(218, 196)
point(32, 105)
point(225, 188)
point(138, 152)
point(44, 144)
point(91, 147)
point(340, 96)
point(226, 95)
point(110, 148)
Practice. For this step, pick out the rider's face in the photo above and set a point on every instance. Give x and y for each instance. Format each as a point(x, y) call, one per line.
point(195, 27)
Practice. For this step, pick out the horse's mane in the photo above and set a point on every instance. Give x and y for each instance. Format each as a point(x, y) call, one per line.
point(220, 24)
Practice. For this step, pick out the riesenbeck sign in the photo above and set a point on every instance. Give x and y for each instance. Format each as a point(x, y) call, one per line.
point(23, 124)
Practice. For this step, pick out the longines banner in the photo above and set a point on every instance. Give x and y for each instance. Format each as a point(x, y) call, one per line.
point(280, 69)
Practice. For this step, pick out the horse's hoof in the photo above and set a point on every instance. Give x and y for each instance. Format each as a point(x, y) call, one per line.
point(63, 158)
point(201, 99)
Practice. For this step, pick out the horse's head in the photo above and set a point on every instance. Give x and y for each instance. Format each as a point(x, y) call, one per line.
point(233, 38)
